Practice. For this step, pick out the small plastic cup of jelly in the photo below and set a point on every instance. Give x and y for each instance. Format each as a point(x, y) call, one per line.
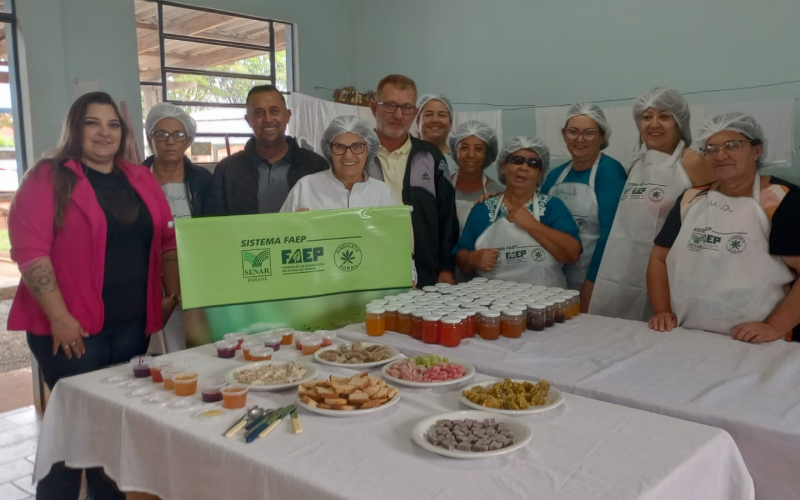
point(234, 397)
point(141, 366)
point(226, 348)
point(156, 367)
point(311, 344)
point(211, 389)
point(272, 340)
point(185, 383)
point(168, 373)
point(250, 344)
point(286, 335)
point(238, 337)
point(261, 353)
point(327, 337)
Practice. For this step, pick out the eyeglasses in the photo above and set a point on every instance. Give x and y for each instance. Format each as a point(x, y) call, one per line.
point(711, 150)
point(521, 160)
point(162, 136)
point(357, 148)
point(589, 134)
point(391, 107)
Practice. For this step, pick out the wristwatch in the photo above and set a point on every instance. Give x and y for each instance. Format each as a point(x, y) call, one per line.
point(174, 298)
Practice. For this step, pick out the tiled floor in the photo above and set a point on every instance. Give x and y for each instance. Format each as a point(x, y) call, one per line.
point(19, 433)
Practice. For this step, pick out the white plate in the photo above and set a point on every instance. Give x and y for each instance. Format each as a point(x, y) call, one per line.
point(522, 434)
point(311, 373)
point(116, 379)
point(553, 400)
point(468, 367)
point(210, 414)
point(142, 391)
point(352, 413)
point(394, 356)
point(158, 399)
point(185, 403)
point(135, 384)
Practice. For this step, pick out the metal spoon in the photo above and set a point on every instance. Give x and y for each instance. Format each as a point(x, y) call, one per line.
point(243, 419)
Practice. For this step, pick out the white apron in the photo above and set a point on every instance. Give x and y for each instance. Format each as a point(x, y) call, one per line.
point(521, 257)
point(581, 201)
point(720, 271)
point(654, 183)
point(464, 207)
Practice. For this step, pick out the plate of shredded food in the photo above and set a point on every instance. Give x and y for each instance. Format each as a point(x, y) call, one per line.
point(471, 434)
point(427, 371)
point(272, 375)
point(357, 355)
point(512, 397)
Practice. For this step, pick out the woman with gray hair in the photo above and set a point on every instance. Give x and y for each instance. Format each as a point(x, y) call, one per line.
point(170, 132)
point(728, 252)
point(349, 145)
point(663, 169)
point(521, 235)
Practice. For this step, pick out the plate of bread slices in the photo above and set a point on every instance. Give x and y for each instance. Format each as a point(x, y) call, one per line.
point(347, 396)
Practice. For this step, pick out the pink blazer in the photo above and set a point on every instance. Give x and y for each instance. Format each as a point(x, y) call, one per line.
point(78, 249)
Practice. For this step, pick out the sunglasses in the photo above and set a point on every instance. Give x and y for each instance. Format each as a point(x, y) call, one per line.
point(521, 160)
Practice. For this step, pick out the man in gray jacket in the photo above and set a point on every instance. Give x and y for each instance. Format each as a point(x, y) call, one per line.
point(258, 179)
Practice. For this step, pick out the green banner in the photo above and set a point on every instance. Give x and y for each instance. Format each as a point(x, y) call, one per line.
point(308, 270)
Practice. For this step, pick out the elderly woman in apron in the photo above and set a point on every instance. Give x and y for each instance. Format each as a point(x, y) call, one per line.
point(590, 185)
point(473, 145)
point(728, 252)
point(521, 235)
point(659, 174)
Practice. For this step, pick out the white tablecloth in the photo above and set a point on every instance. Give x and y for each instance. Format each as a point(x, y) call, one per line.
point(749, 390)
point(585, 449)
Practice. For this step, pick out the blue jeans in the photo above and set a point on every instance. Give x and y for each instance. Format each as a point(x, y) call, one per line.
point(109, 347)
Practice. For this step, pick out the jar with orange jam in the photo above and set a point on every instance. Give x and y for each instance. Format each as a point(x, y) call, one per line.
point(376, 321)
point(469, 325)
point(430, 329)
point(391, 317)
point(403, 321)
point(490, 325)
point(512, 323)
point(450, 331)
point(417, 322)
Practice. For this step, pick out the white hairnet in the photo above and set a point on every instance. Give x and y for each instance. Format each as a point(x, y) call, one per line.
point(523, 142)
point(354, 125)
point(668, 100)
point(594, 112)
point(424, 99)
point(735, 121)
point(480, 130)
point(168, 110)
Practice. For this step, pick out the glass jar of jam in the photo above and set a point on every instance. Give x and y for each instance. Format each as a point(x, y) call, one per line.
point(403, 322)
point(450, 331)
point(536, 317)
point(417, 321)
point(512, 323)
point(490, 325)
point(376, 321)
point(390, 316)
point(550, 313)
point(430, 328)
point(470, 328)
point(560, 309)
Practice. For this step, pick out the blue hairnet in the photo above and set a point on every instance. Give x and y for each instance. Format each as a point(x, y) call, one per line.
point(594, 112)
point(480, 130)
point(735, 121)
point(168, 110)
point(424, 99)
point(354, 125)
point(523, 142)
point(668, 100)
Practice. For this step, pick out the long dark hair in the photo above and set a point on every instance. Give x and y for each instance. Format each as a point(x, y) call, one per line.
point(71, 147)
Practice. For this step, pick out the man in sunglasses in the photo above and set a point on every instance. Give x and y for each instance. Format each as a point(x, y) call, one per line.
point(258, 179)
point(417, 173)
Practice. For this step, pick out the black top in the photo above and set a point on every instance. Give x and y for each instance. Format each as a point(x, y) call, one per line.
point(784, 236)
point(127, 261)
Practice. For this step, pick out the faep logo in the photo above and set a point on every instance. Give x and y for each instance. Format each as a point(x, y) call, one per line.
point(256, 263)
point(301, 255)
point(704, 238)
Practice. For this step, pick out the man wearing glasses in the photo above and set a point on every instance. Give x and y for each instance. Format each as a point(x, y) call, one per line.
point(416, 172)
point(258, 179)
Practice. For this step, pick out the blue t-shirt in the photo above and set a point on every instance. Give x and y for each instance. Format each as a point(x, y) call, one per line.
point(608, 186)
point(552, 213)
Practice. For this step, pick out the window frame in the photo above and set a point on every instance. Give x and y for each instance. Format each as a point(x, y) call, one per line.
point(10, 19)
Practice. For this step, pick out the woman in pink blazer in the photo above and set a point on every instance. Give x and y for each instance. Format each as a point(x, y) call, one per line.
point(91, 235)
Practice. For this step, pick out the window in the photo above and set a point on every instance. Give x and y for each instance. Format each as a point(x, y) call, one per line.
point(12, 150)
point(206, 61)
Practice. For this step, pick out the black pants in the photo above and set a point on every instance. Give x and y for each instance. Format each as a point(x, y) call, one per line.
point(109, 347)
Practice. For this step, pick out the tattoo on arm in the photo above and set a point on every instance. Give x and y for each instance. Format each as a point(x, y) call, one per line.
point(41, 279)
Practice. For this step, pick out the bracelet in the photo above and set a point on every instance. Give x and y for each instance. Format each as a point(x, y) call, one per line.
point(174, 298)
